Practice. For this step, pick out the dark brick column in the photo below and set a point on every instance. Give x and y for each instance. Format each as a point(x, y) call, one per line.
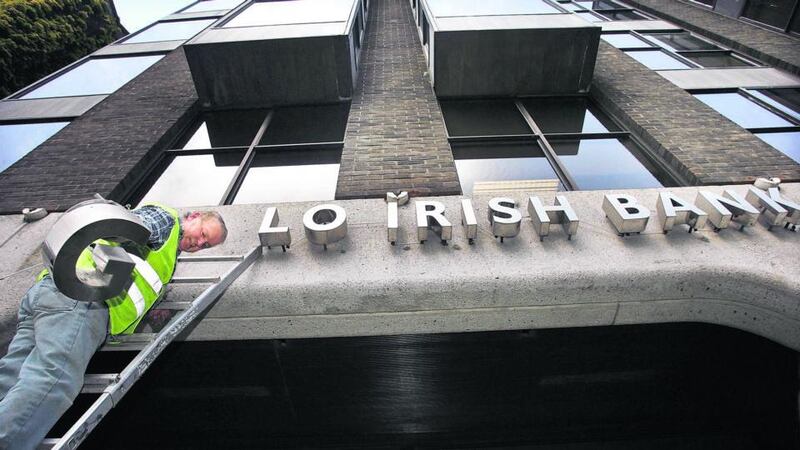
point(701, 144)
point(776, 49)
point(395, 137)
point(107, 149)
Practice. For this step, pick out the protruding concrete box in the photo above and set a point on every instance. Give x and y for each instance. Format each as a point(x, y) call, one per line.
point(506, 48)
point(279, 53)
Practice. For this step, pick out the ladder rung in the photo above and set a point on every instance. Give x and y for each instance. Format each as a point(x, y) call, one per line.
point(96, 383)
point(187, 280)
point(173, 305)
point(128, 342)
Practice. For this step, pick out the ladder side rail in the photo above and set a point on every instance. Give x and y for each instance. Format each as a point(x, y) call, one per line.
point(136, 368)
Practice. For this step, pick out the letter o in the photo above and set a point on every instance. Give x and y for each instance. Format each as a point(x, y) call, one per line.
point(325, 224)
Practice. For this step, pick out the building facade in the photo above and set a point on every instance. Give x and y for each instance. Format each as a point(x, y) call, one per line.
point(387, 338)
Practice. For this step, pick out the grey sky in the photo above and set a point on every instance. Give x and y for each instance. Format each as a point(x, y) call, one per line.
point(136, 14)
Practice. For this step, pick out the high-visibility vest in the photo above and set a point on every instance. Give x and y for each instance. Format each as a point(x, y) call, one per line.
point(150, 276)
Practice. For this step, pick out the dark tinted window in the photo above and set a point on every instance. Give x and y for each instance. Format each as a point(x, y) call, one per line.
point(770, 12)
point(622, 15)
point(500, 162)
point(604, 164)
point(307, 124)
point(18, 140)
point(682, 41)
point(483, 118)
point(225, 129)
point(568, 115)
point(715, 59)
point(599, 4)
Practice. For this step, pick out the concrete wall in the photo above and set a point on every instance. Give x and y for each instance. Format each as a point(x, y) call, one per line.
point(365, 286)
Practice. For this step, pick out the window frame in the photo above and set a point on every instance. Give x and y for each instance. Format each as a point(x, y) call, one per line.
point(794, 15)
point(124, 41)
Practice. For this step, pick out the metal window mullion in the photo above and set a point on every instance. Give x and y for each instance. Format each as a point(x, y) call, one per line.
point(566, 179)
point(238, 177)
point(491, 138)
point(771, 108)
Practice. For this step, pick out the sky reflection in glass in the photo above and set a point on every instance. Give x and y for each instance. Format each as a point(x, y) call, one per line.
point(170, 31)
point(95, 76)
point(194, 180)
point(292, 12)
point(460, 8)
point(742, 111)
point(603, 164)
point(788, 143)
point(657, 60)
point(18, 140)
point(213, 5)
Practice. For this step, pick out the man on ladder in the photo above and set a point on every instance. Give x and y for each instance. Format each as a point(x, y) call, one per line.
point(43, 371)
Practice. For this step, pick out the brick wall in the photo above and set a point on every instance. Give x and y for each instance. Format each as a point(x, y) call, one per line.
point(776, 49)
point(106, 149)
point(701, 144)
point(395, 137)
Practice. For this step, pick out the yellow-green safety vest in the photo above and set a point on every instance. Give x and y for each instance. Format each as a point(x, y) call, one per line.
point(150, 276)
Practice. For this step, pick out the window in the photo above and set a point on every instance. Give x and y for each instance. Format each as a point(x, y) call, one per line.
point(19, 139)
point(292, 12)
point(770, 12)
point(657, 60)
point(773, 115)
point(94, 76)
point(625, 41)
point(699, 51)
point(602, 10)
point(213, 5)
point(564, 143)
point(458, 8)
point(169, 31)
point(253, 156)
point(681, 41)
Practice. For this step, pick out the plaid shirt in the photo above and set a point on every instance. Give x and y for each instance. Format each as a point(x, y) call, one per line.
point(160, 224)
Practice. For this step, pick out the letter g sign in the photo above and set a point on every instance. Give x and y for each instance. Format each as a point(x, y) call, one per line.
point(81, 225)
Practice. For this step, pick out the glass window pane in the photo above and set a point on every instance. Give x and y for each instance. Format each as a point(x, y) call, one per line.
point(194, 180)
point(571, 6)
point(483, 118)
point(19, 139)
point(170, 31)
point(225, 129)
point(589, 16)
point(598, 5)
point(213, 5)
point(95, 76)
point(603, 164)
point(568, 115)
point(289, 12)
point(625, 41)
point(290, 176)
point(307, 124)
point(788, 143)
point(681, 41)
point(622, 15)
point(742, 111)
point(786, 100)
point(657, 60)
point(770, 12)
point(500, 162)
point(716, 59)
point(456, 8)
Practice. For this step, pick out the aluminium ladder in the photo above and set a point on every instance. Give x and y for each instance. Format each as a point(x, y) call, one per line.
point(112, 387)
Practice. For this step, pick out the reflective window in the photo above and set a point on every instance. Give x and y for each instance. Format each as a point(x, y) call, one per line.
point(625, 41)
point(307, 124)
point(213, 5)
point(786, 100)
point(291, 12)
point(599, 5)
point(95, 76)
point(225, 129)
point(170, 31)
point(657, 60)
point(571, 6)
point(483, 118)
point(622, 15)
point(603, 164)
point(787, 142)
point(681, 41)
point(589, 16)
point(742, 111)
point(770, 12)
point(194, 180)
point(715, 59)
point(290, 176)
point(568, 115)
point(456, 8)
point(500, 162)
point(19, 139)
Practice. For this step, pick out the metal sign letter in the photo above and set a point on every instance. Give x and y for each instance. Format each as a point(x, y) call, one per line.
point(430, 215)
point(271, 234)
point(468, 220)
point(774, 208)
point(79, 227)
point(325, 224)
point(392, 221)
point(543, 216)
point(673, 210)
point(625, 214)
point(726, 208)
point(504, 217)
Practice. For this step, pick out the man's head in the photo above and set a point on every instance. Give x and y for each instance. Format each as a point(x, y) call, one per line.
point(202, 229)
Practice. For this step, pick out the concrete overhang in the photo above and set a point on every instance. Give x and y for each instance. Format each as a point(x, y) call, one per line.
point(48, 108)
point(364, 286)
point(277, 64)
point(508, 55)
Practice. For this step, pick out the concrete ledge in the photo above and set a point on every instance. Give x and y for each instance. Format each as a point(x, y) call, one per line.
point(364, 286)
point(751, 77)
point(48, 108)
